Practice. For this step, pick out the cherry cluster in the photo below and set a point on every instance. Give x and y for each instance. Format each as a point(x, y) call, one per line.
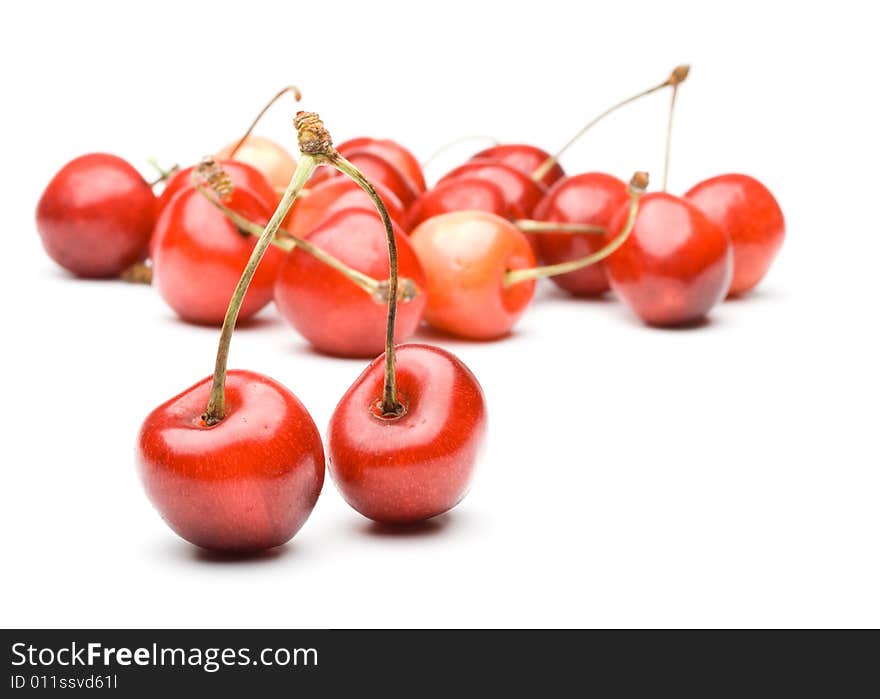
point(356, 251)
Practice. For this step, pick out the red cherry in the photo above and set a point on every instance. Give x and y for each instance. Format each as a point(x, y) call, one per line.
point(96, 215)
point(273, 160)
point(240, 174)
point(466, 255)
point(199, 255)
point(245, 484)
point(675, 265)
point(377, 170)
point(391, 151)
point(334, 195)
point(407, 468)
point(330, 311)
point(750, 215)
point(521, 193)
point(525, 158)
point(465, 194)
point(590, 198)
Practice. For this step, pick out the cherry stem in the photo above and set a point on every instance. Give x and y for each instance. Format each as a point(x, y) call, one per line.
point(637, 187)
point(139, 273)
point(163, 173)
point(216, 409)
point(297, 95)
point(527, 225)
point(678, 76)
point(451, 144)
point(669, 136)
point(377, 289)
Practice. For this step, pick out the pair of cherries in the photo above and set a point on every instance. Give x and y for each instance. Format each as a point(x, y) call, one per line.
point(236, 463)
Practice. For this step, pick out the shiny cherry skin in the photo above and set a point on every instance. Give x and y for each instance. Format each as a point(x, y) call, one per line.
point(270, 158)
point(591, 198)
point(524, 158)
point(247, 483)
point(521, 193)
point(465, 194)
point(331, 196)
point(331, 312)
point(96, 215)
point(675, 265)
point(393, 152)
point(406, 469)
point(199, 256)
point(377, 170)
point(750, 215)
point(241, 174)
point(465, 256)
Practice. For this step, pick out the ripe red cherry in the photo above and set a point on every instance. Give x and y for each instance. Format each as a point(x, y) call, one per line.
point(199, 256)
point(676, 264)
point(465, 194)
point(750, 215)
point(330, 311)
point(521, 193)
point(334, 195)
point(240, 174)
point(377, 170)
point(96, 215)
point(524, 158)
point(263, 154)
point(466, 255)
point(245, 484)
point(407, 468)
point(393, 152)
point(590, 198)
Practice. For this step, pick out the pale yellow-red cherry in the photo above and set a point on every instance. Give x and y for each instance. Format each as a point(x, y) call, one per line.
point(270, 158)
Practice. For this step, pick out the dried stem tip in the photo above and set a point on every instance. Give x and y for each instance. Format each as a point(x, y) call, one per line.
point(678, 75)
point(639, 182)
point(215, 177)
point(314, 139)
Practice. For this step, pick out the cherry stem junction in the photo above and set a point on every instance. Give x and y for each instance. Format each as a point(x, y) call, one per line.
point(216, 409)
point(297, 95)
point(678, 76)
point(637, 187)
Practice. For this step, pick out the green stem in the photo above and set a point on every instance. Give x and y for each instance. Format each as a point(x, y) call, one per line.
point(637, 187)
point(216, 409)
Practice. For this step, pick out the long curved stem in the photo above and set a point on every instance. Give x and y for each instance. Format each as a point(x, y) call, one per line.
point(527, 225)
point(678, 75)
point(637, 187)
point(216, 409)
point(297, 95)
point(390, 404)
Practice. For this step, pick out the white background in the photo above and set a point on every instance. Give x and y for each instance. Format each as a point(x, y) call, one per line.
point(720, 476)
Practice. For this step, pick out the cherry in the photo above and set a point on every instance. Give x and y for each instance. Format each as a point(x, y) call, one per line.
point(746, 210)
point(235, 463)
point(332, 313)
point(330, 196)
point(675, 266)
point(199, 254)
point(96, 215)
point(525, 158)
point(521, 193)
point(394, 154)
point(408, 467)
point(590, 198)
point(465, 255)
point(242, 176)
point(379, 170)
point(480, 268)
point(244, 484)
point(465, 194)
